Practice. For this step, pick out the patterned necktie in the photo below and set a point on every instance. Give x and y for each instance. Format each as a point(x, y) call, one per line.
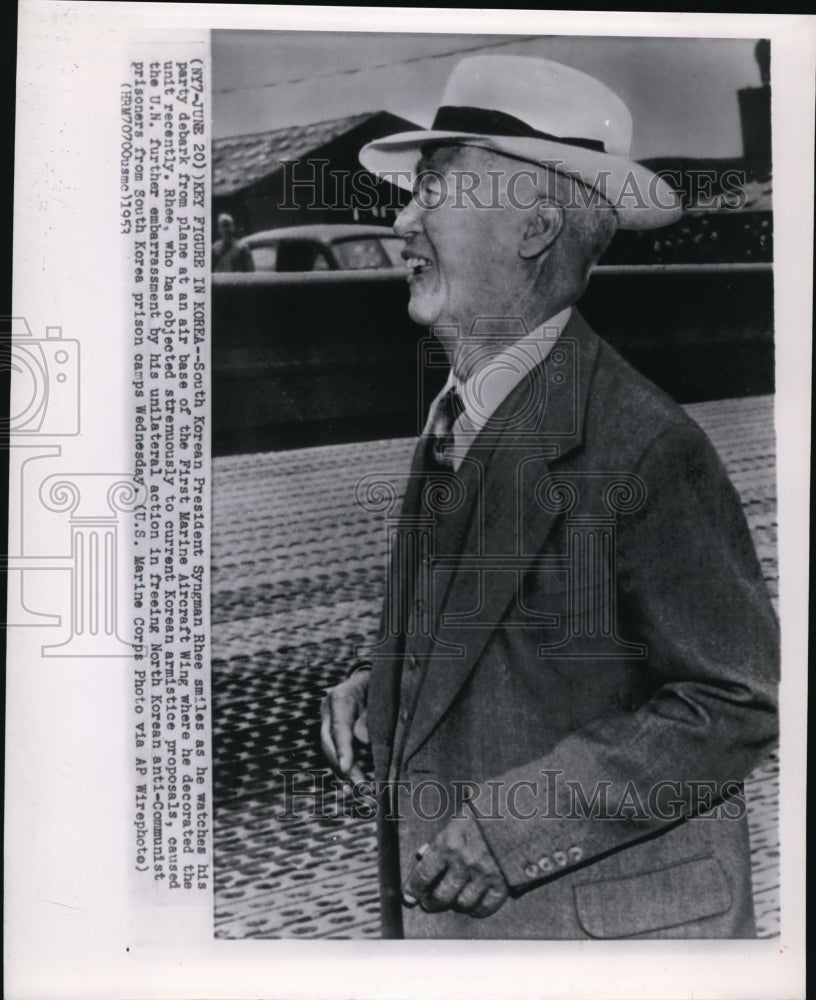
point(448, 409)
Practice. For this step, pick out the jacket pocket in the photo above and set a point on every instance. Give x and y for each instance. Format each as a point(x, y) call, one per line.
point(652, 901)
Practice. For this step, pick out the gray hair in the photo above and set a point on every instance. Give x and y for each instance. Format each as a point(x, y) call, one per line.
point(590, 223)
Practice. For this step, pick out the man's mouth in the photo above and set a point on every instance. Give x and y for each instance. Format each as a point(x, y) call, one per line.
point(418, 265)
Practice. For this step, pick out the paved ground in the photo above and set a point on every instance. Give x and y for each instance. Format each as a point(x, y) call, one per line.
point(297, 580)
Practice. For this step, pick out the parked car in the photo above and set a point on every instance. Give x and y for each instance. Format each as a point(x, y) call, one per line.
point(339, 247)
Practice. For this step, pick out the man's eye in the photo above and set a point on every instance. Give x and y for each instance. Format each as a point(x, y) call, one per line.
point(428, 189)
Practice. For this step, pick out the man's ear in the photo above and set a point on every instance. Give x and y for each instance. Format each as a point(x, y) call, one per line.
point(542, 229)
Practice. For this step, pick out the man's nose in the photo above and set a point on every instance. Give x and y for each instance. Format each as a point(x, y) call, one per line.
point(408, 220)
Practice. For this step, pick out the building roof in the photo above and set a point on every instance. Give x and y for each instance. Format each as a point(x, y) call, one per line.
point(241, 160)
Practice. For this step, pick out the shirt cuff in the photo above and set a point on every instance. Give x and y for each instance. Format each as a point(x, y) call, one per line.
point(358, 667)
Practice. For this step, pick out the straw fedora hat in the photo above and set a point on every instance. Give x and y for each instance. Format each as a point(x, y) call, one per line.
point(540, 112)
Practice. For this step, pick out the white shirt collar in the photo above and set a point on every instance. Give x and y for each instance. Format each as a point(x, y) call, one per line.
point(483, 391)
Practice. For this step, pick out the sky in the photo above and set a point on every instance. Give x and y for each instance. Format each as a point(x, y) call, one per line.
point(682, 92)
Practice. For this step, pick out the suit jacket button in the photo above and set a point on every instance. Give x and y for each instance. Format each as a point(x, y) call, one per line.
point(575, 854)
point(531, 871)
point(545, 864)
point(404, 714)
point(560, 858)
point(413, 663)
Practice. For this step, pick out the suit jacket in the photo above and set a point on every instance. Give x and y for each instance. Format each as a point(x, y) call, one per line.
point(588, 664)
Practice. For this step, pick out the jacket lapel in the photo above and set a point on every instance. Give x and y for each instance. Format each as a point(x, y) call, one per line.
point(383, 688)
point(485, 553)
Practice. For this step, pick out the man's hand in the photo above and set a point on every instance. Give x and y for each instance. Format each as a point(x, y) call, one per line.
point(343, 715)
point(457, 871)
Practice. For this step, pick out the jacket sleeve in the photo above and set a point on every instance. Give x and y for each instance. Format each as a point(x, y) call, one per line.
point(689, 587)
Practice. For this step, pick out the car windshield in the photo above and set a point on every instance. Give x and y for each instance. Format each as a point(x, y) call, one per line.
point(393, 247)
point(265, 257)
point(364, 252)
point(290, 255)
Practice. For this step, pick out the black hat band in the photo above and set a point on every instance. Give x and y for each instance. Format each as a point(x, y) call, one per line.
point(483, 121)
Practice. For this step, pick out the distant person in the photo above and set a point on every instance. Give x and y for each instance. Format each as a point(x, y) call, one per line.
point(229, 253)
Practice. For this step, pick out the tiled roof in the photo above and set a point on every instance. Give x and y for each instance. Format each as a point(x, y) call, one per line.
point(241, 160)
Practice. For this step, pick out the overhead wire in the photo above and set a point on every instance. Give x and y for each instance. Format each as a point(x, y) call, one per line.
point(367, 69)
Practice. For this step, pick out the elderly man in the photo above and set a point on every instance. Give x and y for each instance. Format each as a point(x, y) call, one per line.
point(578, 664)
